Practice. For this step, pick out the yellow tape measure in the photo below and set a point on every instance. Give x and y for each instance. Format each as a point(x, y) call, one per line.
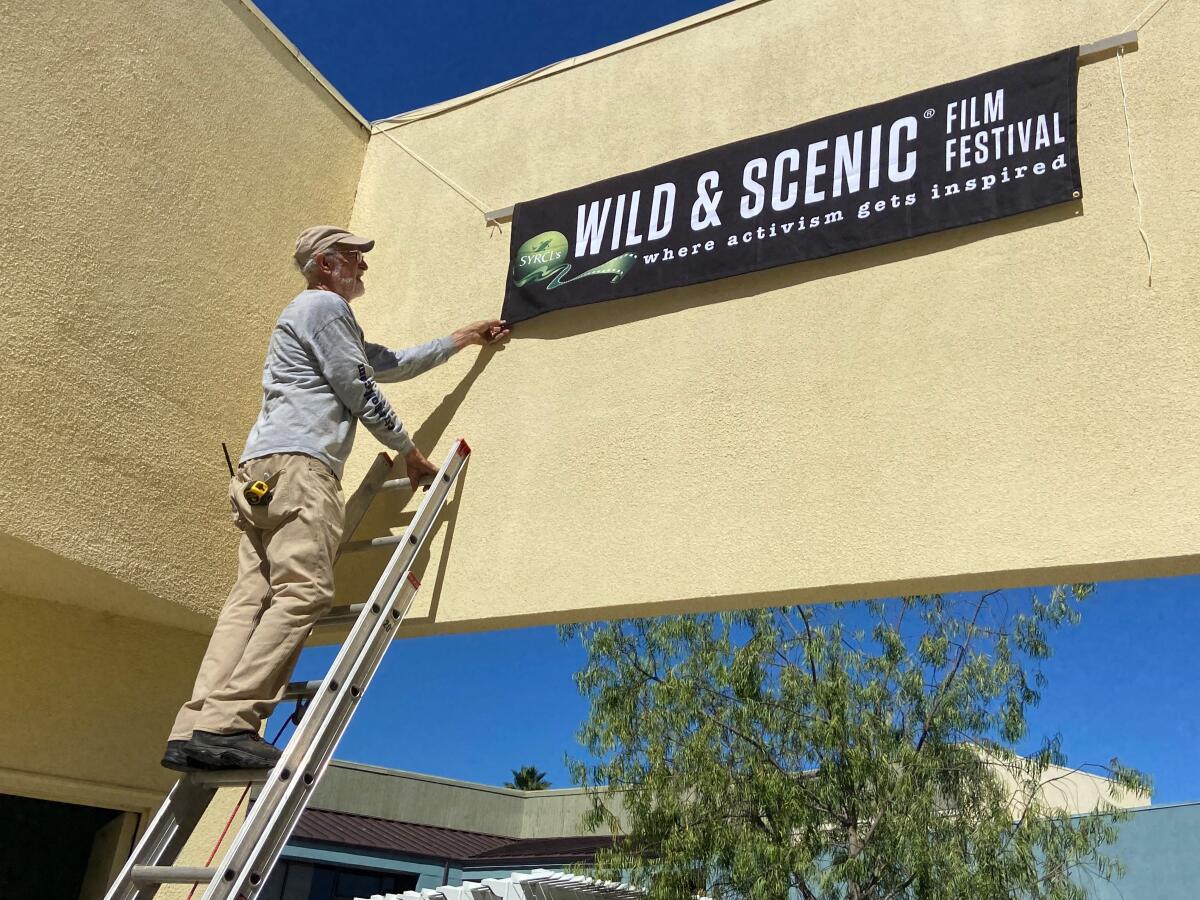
point(259, 493)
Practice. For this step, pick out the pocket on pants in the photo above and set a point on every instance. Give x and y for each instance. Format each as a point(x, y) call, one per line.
point(235, 489)
point(322, 472)
point(324, 500)
point(268, 516)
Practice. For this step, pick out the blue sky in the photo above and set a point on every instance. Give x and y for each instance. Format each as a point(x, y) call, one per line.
point(387, 57)
point(1122, 683)
point(474, 707)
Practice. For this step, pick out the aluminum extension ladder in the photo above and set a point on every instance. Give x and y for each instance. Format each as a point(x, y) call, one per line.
point(287, 787)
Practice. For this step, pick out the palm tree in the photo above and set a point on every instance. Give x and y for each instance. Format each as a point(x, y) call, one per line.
point(528, 778)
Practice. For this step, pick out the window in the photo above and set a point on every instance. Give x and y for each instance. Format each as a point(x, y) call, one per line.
point(294, 880)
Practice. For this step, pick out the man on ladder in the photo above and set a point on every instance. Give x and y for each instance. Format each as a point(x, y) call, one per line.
point(319, 378)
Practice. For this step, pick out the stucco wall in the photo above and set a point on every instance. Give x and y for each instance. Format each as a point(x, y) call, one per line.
point(87, 702)
point(158, 161)
point(447, 803)
point(1003, 404)
point(1158, 848)
point(84, 715)
point(423, 799)
point(1068, 790)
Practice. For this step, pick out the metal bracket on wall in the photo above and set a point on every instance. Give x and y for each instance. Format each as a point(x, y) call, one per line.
point(1109, 46)
point(1088, 53)
point(498, 215)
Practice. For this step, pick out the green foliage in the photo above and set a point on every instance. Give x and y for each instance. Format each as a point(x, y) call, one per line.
point(528, 778)
point(775, 750)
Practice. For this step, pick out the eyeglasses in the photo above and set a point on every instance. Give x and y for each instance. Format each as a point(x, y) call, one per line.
point(355, 256)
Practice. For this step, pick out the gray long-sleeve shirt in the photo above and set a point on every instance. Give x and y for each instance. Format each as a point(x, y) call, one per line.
point(319, 380)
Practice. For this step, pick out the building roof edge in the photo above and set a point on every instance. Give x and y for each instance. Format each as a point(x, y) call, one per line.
point(454, 782)
point(435, 109)
point(303, 60)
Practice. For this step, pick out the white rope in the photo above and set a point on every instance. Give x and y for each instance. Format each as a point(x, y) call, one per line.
point(1133, 21)
point(444, 178)
point(436, 109)
point(425, 112)
point(1132, 172)
point(394, 122)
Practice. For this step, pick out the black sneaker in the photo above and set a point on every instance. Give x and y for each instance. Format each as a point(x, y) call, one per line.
point(240, 750)
point(175, 758)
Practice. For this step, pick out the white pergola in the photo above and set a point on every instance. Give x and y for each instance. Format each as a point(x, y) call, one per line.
point(541, 884)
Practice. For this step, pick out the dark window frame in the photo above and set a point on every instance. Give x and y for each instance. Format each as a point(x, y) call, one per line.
point(391, 881)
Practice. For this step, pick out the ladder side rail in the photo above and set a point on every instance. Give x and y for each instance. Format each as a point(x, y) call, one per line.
point(280, 820)
point(390, 581)
point(296, 770)
point(187, 801)
point(168, 831)
point(242, 865)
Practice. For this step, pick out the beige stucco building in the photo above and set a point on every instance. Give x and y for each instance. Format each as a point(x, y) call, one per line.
point(158, 161)
point(1012, 403)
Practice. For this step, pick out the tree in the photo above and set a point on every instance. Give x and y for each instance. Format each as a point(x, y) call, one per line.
point(771, 750)
point(528, 778)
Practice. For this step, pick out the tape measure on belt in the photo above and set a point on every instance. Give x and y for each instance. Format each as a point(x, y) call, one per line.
point(259, 493)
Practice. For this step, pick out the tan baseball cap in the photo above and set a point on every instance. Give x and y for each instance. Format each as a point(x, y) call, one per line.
point(321, 237)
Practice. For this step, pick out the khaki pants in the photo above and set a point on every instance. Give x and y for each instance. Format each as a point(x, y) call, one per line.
point(284, 584)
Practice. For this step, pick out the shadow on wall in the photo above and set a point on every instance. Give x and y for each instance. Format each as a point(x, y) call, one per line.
point(450, 519)
point(431, 432)
point(356, 579)
point(433, 429)
point(392, 511)
point(610, 314)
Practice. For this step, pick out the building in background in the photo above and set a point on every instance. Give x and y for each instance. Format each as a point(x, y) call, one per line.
point(373, 831)
point(159, 161)
point(370, 826)
point(871, 404)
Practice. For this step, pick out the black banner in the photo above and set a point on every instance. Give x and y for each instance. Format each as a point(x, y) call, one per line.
point(985, 147)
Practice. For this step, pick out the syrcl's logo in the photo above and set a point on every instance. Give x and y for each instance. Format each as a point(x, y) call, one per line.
point(539, 256)
point(543, 259)
point(544, 252)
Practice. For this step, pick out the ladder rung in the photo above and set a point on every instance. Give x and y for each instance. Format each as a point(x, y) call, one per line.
point(395, 484)
point(171, 875)
point(229, 777)
point(299, 689)
point(387, 540)
point(342, 615)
